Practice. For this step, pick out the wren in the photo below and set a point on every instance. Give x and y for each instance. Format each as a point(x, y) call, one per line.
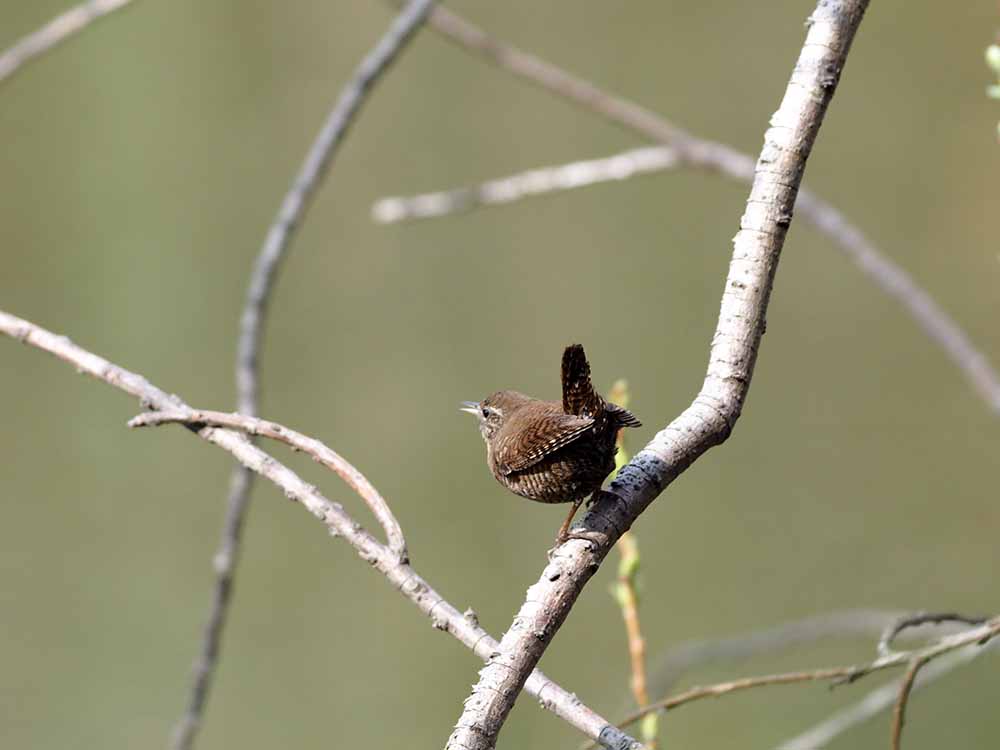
point(548, 451)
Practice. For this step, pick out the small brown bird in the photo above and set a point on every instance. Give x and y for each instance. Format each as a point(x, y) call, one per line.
point(548, 451)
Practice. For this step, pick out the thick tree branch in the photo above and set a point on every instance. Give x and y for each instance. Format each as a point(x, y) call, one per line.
point(290, 215)
point(714, 412)
point(463, 626)
point(56, 31)
point(681, 149)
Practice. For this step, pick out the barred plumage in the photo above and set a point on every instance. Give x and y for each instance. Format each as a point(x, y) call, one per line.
point(548, 451)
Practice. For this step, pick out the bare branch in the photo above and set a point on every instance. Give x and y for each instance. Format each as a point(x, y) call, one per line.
point(711, 417)
point(684, 657)
point(56, 31)
point(463, 626)
point(527, 184)
point(290, 215)
point(922, 618)
point(314, 168)
point(878, 700)
point(899, 712)
point(310, 446)
point(683, 149)
point(555, 80)
point(977, 636)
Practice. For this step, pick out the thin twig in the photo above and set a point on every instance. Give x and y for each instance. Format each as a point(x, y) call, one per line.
point(710, 419)
point(527, 184)
point(689, 150)
point(310, 446)
point(899, 711)
point(878, 700)
point(289, 217)
point(463, 626)
point(921, 618)
point(975, 636)
point(669, 668)
point(56, 31)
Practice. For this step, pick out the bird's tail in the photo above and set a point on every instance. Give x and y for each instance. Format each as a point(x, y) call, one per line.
point(578, 394)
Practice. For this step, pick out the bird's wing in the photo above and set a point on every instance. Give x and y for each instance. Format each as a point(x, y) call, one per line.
point(529, 444)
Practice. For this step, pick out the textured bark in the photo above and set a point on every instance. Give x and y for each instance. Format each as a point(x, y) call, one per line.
point(711, 417)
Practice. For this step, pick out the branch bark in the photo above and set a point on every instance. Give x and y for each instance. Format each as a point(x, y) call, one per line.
point(711, 417)
point(279, 236)
point(463, 626)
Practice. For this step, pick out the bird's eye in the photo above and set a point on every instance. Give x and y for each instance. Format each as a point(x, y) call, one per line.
point(486, 412)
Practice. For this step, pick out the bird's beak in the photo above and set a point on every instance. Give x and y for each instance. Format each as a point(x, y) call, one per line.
point(472, 407)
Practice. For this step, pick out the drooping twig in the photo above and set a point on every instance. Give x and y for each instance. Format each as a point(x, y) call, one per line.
point(899, 711)
point(921, 618)
point(310, 446)
point(56, 31)
point(681, 148)
point(463, 626)
point(276, 243)
point(669, 668)
point(877, 701)
point(977, 636)
point(711, 417)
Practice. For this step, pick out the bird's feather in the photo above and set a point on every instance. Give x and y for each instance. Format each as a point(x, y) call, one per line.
point(521, 446)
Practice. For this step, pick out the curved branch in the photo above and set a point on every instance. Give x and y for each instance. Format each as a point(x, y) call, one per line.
point(290, 214)
point(921, 618)
point(711, 417)
point(682, 148)
point(310, 446)
point(56, 31)
point(899, 711)
point(463, 626)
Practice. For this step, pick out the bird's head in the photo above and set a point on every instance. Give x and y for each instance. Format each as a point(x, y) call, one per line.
point(493, 410)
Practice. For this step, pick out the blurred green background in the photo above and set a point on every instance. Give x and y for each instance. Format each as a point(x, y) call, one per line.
point(142, 163)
